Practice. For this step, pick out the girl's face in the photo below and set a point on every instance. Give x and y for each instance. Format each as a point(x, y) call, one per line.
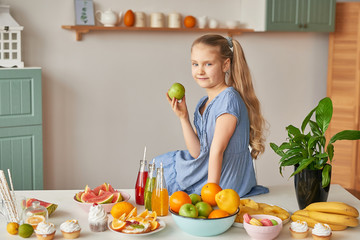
point(208, 69)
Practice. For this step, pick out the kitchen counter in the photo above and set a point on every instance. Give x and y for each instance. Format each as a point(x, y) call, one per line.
point(283, 196)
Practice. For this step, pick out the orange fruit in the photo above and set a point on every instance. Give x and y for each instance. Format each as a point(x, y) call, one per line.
point(208, 192)
point(143, 214)
point(118, 225)
point(218, 213)
point(120, 208)
point(129, 18)
point(151, 216)
point(131, 214)
point(189, 21)
point(154, 225)
point(177, 199)
point(35, 220)
point(228, 200)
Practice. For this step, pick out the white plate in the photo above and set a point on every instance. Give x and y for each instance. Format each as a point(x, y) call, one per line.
point(240, 225)
point(161, 227)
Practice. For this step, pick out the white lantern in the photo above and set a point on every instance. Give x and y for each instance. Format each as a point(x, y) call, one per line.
point(10, 39)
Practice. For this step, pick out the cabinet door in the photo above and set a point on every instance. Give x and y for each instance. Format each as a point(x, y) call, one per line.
point(21, 152)
point(300, 15)
point(20, 97)
point(320, 15)
point(283, 15)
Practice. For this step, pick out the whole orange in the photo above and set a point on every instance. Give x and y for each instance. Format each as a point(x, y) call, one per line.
point(177, 199)
point(120, 208)
point(218, 213)
point(129, 18)
point(189, 21)
point(208, 192)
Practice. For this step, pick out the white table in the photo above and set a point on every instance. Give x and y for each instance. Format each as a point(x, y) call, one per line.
point(280, 195)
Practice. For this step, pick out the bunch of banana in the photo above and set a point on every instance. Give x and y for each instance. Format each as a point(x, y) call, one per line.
point(337, 215)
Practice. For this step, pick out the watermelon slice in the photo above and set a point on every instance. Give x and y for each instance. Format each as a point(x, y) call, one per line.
point(105, 197)
point(111, 189)
point(117, 197)
point(78, 196)
point(104, 187)
point(51, 207)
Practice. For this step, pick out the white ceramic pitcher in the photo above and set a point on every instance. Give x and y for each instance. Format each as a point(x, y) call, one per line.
point(108, 18)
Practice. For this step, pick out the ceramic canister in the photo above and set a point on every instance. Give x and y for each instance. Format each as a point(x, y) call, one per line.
point(157, 20)
point(174, 20)
point(140, 19)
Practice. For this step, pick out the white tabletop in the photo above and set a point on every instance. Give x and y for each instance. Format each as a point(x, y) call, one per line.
point(283, 196)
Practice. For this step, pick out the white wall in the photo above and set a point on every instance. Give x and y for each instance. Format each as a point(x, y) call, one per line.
point(104, 97)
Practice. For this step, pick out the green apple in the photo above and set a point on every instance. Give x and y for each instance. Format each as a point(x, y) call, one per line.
point(177, 91)
point(204, 209)
point(195, 198)
point(188, 210)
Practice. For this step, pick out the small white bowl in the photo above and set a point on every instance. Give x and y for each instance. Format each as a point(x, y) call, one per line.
point(232, 24)
point(107, 206)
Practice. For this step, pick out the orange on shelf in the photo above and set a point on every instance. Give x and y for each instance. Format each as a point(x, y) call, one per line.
point(189, 21)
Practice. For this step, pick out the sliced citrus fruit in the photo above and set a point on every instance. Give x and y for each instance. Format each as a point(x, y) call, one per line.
point(151, 216)
point(132, 213)
point(118, 225)
point(35, 220)
point(123, 217)
point(154, 225)
point(143, 214)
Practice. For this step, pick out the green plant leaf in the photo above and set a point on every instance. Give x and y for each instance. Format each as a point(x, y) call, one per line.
point(330, 151)
point(276, 149)
point(326, 175)
point(323, 114)
point(292, 161)
point(321, 155)
point(306, 120)
point(346, 135)
point(293, 131)
point(315, 128)
point(303, 165)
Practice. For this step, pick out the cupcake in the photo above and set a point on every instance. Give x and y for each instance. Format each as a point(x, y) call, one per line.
point(70, 229)
point(299, 229)
point(97, 218)
point(45, 231)
point(321, 232)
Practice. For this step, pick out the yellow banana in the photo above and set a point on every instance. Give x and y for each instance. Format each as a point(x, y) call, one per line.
point(332, 218)
point(304, 213)
point(311, 222)
point(333, 207)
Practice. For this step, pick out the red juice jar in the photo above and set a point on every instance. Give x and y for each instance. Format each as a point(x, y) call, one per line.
point(140, 183)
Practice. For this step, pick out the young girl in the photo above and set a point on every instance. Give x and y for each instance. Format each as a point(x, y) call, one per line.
point(227, 121)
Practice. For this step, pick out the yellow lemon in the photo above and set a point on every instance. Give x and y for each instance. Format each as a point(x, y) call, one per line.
point(12, 228)
point(228, 200)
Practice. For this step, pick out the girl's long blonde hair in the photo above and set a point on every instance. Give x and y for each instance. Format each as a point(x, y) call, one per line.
point(240, 79)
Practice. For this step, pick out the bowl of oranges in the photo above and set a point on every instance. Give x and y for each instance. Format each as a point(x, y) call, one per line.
point(209, 214)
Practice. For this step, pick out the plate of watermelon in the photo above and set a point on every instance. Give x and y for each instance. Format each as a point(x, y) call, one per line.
point(104, 194)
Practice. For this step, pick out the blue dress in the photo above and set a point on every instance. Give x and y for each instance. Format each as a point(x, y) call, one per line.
point(183, 172)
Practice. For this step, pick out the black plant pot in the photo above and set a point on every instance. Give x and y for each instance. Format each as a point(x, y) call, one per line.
point(308, 187)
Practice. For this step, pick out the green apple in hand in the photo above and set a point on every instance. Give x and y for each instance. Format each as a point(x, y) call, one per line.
point(195, 198)
point(188, 210)
point(204, 209)
point(177, 91)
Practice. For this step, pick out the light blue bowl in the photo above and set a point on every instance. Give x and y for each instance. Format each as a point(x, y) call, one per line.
point(204, 227)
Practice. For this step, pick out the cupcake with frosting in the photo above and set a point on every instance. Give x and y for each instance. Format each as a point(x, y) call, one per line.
point(70, 229)
point(98, 218)
point(45, 231)
point(321, 232)
point(299, 229)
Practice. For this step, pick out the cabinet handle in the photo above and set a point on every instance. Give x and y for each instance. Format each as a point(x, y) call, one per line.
point(305, 25)
point(300, 25)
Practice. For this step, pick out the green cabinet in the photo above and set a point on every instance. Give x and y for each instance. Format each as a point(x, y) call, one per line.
point(300, 15)
point(21, 144)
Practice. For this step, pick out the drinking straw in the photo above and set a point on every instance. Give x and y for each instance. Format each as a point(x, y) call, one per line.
point(12, 195)
point(6, 196)
point(144, 154)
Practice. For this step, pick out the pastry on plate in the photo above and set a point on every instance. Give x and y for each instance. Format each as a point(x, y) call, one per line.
point(299, 229)
point(45, 231)
point(321, 232)
point(98, 218)
point(70, 229)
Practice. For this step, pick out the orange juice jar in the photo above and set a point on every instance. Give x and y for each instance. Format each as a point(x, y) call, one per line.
point(160, 195)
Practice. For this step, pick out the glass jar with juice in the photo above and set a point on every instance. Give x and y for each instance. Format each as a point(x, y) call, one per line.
point(140, 183)
point(149, 186)
point(160, 195)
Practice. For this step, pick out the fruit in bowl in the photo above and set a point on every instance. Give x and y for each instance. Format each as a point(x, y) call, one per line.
point(262, 226)
point(104, 194)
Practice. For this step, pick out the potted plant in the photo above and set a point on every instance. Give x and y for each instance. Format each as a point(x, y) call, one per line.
point(311, 154)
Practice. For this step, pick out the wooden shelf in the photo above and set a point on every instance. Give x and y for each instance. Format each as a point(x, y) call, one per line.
point(80, 30)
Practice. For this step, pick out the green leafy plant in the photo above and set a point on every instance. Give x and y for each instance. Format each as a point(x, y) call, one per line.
point(309, 150)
